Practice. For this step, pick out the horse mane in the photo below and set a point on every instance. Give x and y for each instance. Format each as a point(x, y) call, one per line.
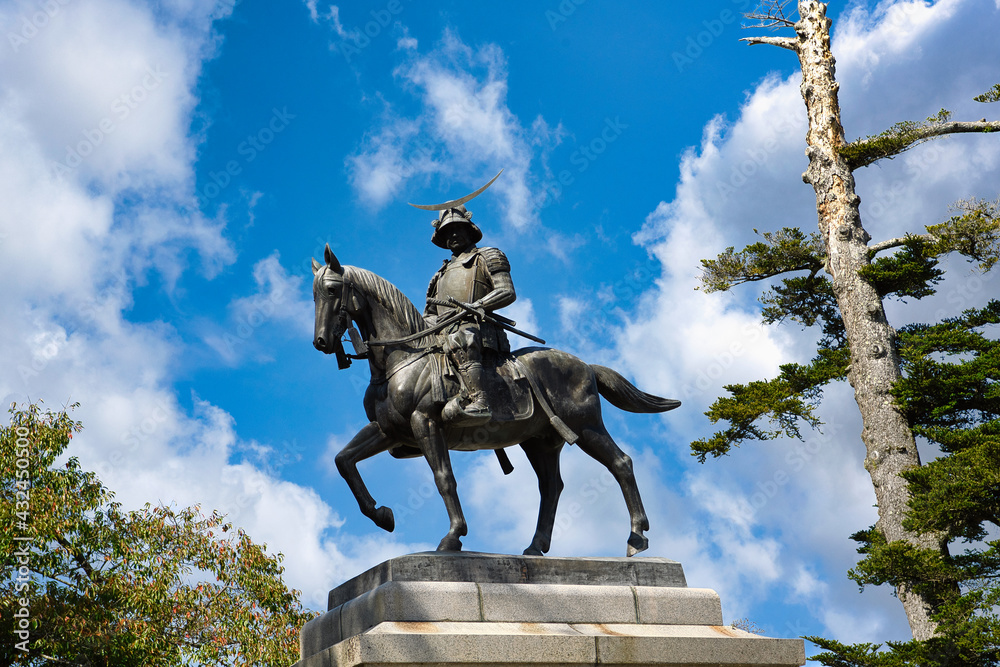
point(388, 295)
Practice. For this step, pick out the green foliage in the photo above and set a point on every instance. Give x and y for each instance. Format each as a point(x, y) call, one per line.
point(946, 650)
point(899, 138)
point(785, 401)
point(959, 495)
point(103, 586)
point(991, 95)
point(951, 378)
point(780, 252)
point(966, 597)
point(807, 300)
point(856, 655)
point(974, 233)
point(911, 272)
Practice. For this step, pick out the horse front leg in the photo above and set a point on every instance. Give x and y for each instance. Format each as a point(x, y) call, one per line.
point(432, 443)
point(543, 454)
point(367, 443)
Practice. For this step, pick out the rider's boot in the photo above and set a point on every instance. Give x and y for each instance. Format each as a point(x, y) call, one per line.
point(477, 411)
point(477, 397)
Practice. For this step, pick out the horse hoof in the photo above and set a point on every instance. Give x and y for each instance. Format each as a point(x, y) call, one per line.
point(532, 551)
point(450, 543)
point(384, 519)
point(636, 543)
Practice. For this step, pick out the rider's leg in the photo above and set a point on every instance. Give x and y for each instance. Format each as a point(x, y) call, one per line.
point(472, 372)
point(469, 358)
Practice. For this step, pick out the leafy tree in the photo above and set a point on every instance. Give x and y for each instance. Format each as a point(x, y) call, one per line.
point(836, 281)
point(83, 582)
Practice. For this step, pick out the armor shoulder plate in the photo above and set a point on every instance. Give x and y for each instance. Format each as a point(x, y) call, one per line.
point(496, 261)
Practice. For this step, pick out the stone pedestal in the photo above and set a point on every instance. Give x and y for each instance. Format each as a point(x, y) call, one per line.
point(465, 609)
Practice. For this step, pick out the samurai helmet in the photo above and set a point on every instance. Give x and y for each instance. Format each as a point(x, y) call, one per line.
point(454, 212)
point(453, 216)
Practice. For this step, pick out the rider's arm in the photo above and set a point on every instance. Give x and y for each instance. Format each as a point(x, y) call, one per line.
point(502, 293)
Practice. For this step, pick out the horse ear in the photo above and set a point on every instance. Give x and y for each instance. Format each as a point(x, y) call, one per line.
point(316, 266)
point(331, 260)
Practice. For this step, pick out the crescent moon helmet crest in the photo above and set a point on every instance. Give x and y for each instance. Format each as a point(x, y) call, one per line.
point(457, 202)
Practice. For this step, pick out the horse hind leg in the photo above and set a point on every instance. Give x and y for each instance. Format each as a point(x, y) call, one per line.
point(367, 443)
point(543, 454)
point(597, 443)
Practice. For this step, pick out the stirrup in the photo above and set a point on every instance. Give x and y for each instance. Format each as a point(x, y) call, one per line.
point(453, 414)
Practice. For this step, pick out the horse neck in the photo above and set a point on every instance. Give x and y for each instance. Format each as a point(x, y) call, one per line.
point(390, 314)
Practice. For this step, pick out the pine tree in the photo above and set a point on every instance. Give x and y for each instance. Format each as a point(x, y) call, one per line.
point(950, 394)
point(838, 282)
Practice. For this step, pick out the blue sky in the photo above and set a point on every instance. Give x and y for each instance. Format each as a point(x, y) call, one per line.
point(169, 169)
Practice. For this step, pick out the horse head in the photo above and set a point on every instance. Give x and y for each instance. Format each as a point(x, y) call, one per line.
point(332, 317)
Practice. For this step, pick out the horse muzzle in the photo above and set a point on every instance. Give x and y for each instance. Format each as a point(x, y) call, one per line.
point(323, 345)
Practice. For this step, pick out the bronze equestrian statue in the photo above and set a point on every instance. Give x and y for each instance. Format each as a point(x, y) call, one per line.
point(428, 393)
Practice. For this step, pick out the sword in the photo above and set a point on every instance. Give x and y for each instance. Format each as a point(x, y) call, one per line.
point(498, 320)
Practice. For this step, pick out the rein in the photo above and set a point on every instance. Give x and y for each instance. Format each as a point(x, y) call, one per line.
point(448, 321)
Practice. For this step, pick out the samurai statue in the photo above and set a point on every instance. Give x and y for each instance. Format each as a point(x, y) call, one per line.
point(475, 280)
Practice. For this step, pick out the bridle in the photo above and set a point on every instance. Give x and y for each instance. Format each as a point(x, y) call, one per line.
point(342, 321)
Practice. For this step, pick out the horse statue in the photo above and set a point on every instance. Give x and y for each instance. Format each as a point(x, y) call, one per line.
point(405, 410)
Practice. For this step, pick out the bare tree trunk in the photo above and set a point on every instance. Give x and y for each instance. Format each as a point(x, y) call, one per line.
point(875, 364)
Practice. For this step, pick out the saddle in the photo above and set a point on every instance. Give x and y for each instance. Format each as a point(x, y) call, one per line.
point(505, 382)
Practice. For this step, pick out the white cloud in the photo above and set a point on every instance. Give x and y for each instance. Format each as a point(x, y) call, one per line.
point(892, 32)
point(280, 298)
point(465, 126)
point(313, 11)
point(286, 294)
point(333, 16)
point(252, 198)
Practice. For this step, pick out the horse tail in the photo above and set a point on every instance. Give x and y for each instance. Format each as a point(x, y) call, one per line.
point(625, 396)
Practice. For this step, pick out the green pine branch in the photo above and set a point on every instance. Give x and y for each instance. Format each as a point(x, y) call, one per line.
point(903, 136)
point(950, 394)
point(780, 252)
point(974, 232)
point(991, 95)
point(767, 409)
point(899, 138)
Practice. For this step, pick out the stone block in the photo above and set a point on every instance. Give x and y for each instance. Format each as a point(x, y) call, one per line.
point(411, 601)
point(477, 644)
point(693, 645)
point(488, 644)
point(504, 569)
point(555, 603)
point(678, 606)
point(319, 633)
